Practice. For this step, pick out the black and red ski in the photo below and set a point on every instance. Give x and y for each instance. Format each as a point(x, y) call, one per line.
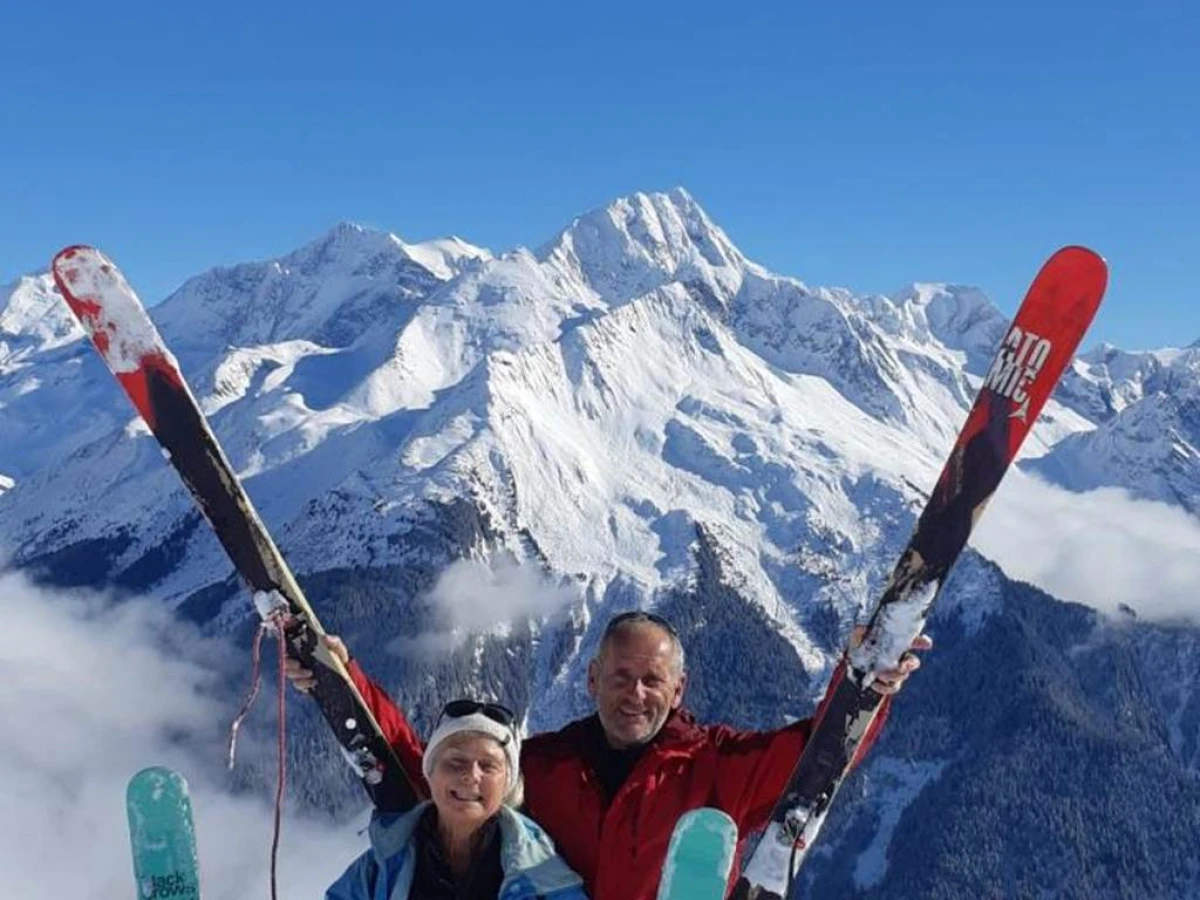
point(130, 345)
point(1036, 350)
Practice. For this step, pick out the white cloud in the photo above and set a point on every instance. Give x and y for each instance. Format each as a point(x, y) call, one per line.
point(93, 692)
point(1099, 548)
point(472, 596)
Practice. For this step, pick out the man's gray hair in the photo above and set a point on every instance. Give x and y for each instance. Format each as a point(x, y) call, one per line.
point(622, 622)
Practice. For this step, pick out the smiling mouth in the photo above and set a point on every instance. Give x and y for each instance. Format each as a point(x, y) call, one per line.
point(467, 798)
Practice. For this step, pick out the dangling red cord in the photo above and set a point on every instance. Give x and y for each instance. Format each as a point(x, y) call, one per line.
point(256, 679)
point(279, 784)
point(272, 622)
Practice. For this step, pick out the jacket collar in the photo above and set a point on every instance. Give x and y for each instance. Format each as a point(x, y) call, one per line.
point(525, 849)
point(391, 832)
point(680, 731)
point(679, 735)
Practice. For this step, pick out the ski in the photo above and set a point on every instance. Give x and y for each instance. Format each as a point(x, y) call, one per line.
point(162, 835)
point(699, 857)
point(133, 350)
point(1031, 359)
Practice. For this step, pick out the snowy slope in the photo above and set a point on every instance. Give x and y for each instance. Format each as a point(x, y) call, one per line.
point(634, 378)
point(445, 257)
point(329, 291)
point(599, 399)
point(48, 377)
point(1148, 439)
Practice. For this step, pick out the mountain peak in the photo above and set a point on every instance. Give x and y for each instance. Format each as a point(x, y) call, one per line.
point(323, 291)
point(349, 246)
point(343, 248)
point(959, 316)
point(445, 257)
point(640, 242)
point(954, 306)
point(31, 310)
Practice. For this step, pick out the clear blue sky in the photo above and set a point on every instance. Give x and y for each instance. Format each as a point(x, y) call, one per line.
point(856, 144)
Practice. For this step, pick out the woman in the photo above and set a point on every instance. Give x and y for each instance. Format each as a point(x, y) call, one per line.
point(468, 842)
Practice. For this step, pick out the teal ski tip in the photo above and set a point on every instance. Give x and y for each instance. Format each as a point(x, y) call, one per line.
point(699, 857)
point(162, 836)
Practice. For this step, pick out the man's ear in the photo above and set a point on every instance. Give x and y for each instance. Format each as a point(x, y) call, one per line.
point(677, 700)
point(593, 677)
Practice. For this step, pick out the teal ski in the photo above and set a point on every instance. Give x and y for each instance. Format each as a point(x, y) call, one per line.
point(699, 857)
point(162, 836)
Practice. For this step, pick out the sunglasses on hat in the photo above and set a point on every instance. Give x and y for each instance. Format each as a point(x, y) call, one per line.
point(497, 712)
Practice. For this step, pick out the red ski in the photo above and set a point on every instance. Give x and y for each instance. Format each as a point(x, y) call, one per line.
point(1035, 352)
point(130, 345)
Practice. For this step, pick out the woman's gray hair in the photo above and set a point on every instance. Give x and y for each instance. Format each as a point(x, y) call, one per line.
point(515, 798)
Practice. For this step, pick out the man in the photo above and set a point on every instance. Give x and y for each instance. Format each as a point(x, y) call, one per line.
point(609, 788)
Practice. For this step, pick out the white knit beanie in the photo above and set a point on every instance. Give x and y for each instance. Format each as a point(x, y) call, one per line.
point(476, 723)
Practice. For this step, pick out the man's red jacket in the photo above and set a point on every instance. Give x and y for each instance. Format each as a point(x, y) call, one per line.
point(619, 847)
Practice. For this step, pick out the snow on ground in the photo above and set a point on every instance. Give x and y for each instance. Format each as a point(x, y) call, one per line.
point(896, 782)
point(444, 257)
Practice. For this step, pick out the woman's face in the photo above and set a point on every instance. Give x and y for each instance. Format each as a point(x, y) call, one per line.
point(469, 777)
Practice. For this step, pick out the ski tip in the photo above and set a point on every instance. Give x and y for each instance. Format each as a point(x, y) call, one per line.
point(68, 253)
point(1083, 268)
point(1081, 256)
point(1080, 249)
point(60, 265)
point(153, 770)
point(157, 774)
point(708, 816)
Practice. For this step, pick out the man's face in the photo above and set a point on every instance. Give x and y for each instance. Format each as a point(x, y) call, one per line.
point(636, 682)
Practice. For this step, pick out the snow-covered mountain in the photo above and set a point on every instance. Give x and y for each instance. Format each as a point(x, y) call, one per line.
point(636, 371)
point(1148, 437)
point(330, 291)
point(634, 413)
